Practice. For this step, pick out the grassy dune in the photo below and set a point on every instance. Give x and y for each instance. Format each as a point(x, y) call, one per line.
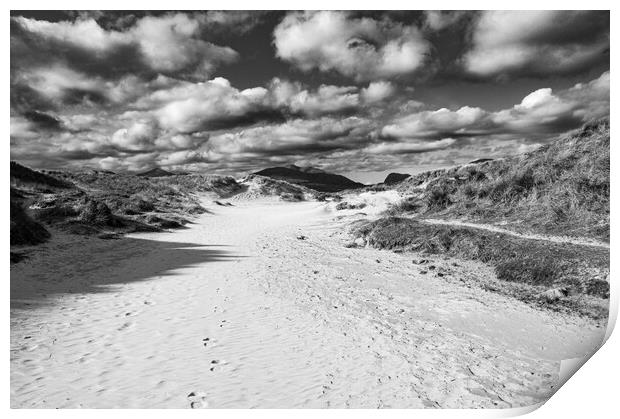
point(560, 189)
point(103, 203)
point(257, 186)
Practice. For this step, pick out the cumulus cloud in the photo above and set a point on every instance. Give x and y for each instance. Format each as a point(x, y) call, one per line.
point(59, 86)
point(540, 42)
point(214, 104)
point(59, 83)
point(409, 146)
point(236, 21)
point(361, 48)
point(438, 20)
point(22, 128)
point(168, 44)
point(129, 91)
point(432, 123)
point(378, 91)
point(139, 136)
point(545, 111)
point(539, 114)
point(326, 99)
point(293, 136)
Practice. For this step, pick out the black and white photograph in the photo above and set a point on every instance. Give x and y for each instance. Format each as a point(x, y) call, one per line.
point(299, 209)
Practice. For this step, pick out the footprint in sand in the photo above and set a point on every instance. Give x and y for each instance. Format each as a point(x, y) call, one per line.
point(126, 326)
point(218, 364)
point(197, 400)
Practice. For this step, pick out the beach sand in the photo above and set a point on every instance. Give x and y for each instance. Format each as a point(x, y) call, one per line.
point(260, 305)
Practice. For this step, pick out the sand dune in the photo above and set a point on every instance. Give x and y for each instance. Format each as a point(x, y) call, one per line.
point(261, 305)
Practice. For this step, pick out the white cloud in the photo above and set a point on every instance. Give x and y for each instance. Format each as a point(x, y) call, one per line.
point(539, 112)
point(325, 100)
point(54, 82)
point(189, 107)
point(181, 158)
point(169, 44)
point(543, 110)
point(438, 20)
point(429, 123)
point(139, 136)
point(409, 146)
point(364, 48)
point(377, 91)
point(298, 134)
point(237, 21)
point(21, 128)
point(535, 42)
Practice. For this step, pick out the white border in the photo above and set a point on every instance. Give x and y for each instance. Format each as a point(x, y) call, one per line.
point(592, 392)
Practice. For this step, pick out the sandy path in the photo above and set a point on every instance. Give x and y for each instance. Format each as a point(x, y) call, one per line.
point(496, 229)
point(236, 311)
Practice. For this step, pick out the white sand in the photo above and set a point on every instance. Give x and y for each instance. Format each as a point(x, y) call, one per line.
point(289, 322)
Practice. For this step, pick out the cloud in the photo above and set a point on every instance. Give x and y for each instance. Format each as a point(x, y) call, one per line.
point(191, 107)
point(22, 128)
point(326, 99)
point(438, 20)
point(232, 21)
point(538, 115)
point(214, 104)
point(542, 111)
point(537, 43)
point(433, 123)
point(440, 137)
point(128, 91)
point(361, 48)
point(169, 44)
point(293, 136)
point(43, 120)
point(135, 163)
point(378, 91)
point(61, 84)
point(409, 146)
point(139, 136)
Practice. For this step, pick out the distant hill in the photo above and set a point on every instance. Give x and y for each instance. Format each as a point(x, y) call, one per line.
point(310, 177)
point(480, 161)
point(156, 172)
point(395, 178)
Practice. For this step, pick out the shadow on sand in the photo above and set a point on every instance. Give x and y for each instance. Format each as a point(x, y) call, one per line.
point(95, 266)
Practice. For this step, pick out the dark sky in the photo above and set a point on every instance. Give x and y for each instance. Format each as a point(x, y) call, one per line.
point(359, 93)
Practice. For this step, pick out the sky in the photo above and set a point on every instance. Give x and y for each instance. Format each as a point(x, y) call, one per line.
point(351, 92)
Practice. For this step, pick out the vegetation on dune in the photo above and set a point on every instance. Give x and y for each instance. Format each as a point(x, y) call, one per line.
point(256, 186)
point(560, 188)
point(347, 206)
point(24, 230)
point(24, 177)
point(102, 203)
point(223, 186)
point(575, 271)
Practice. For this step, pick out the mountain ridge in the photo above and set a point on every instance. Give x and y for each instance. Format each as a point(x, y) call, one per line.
point(310, 177)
